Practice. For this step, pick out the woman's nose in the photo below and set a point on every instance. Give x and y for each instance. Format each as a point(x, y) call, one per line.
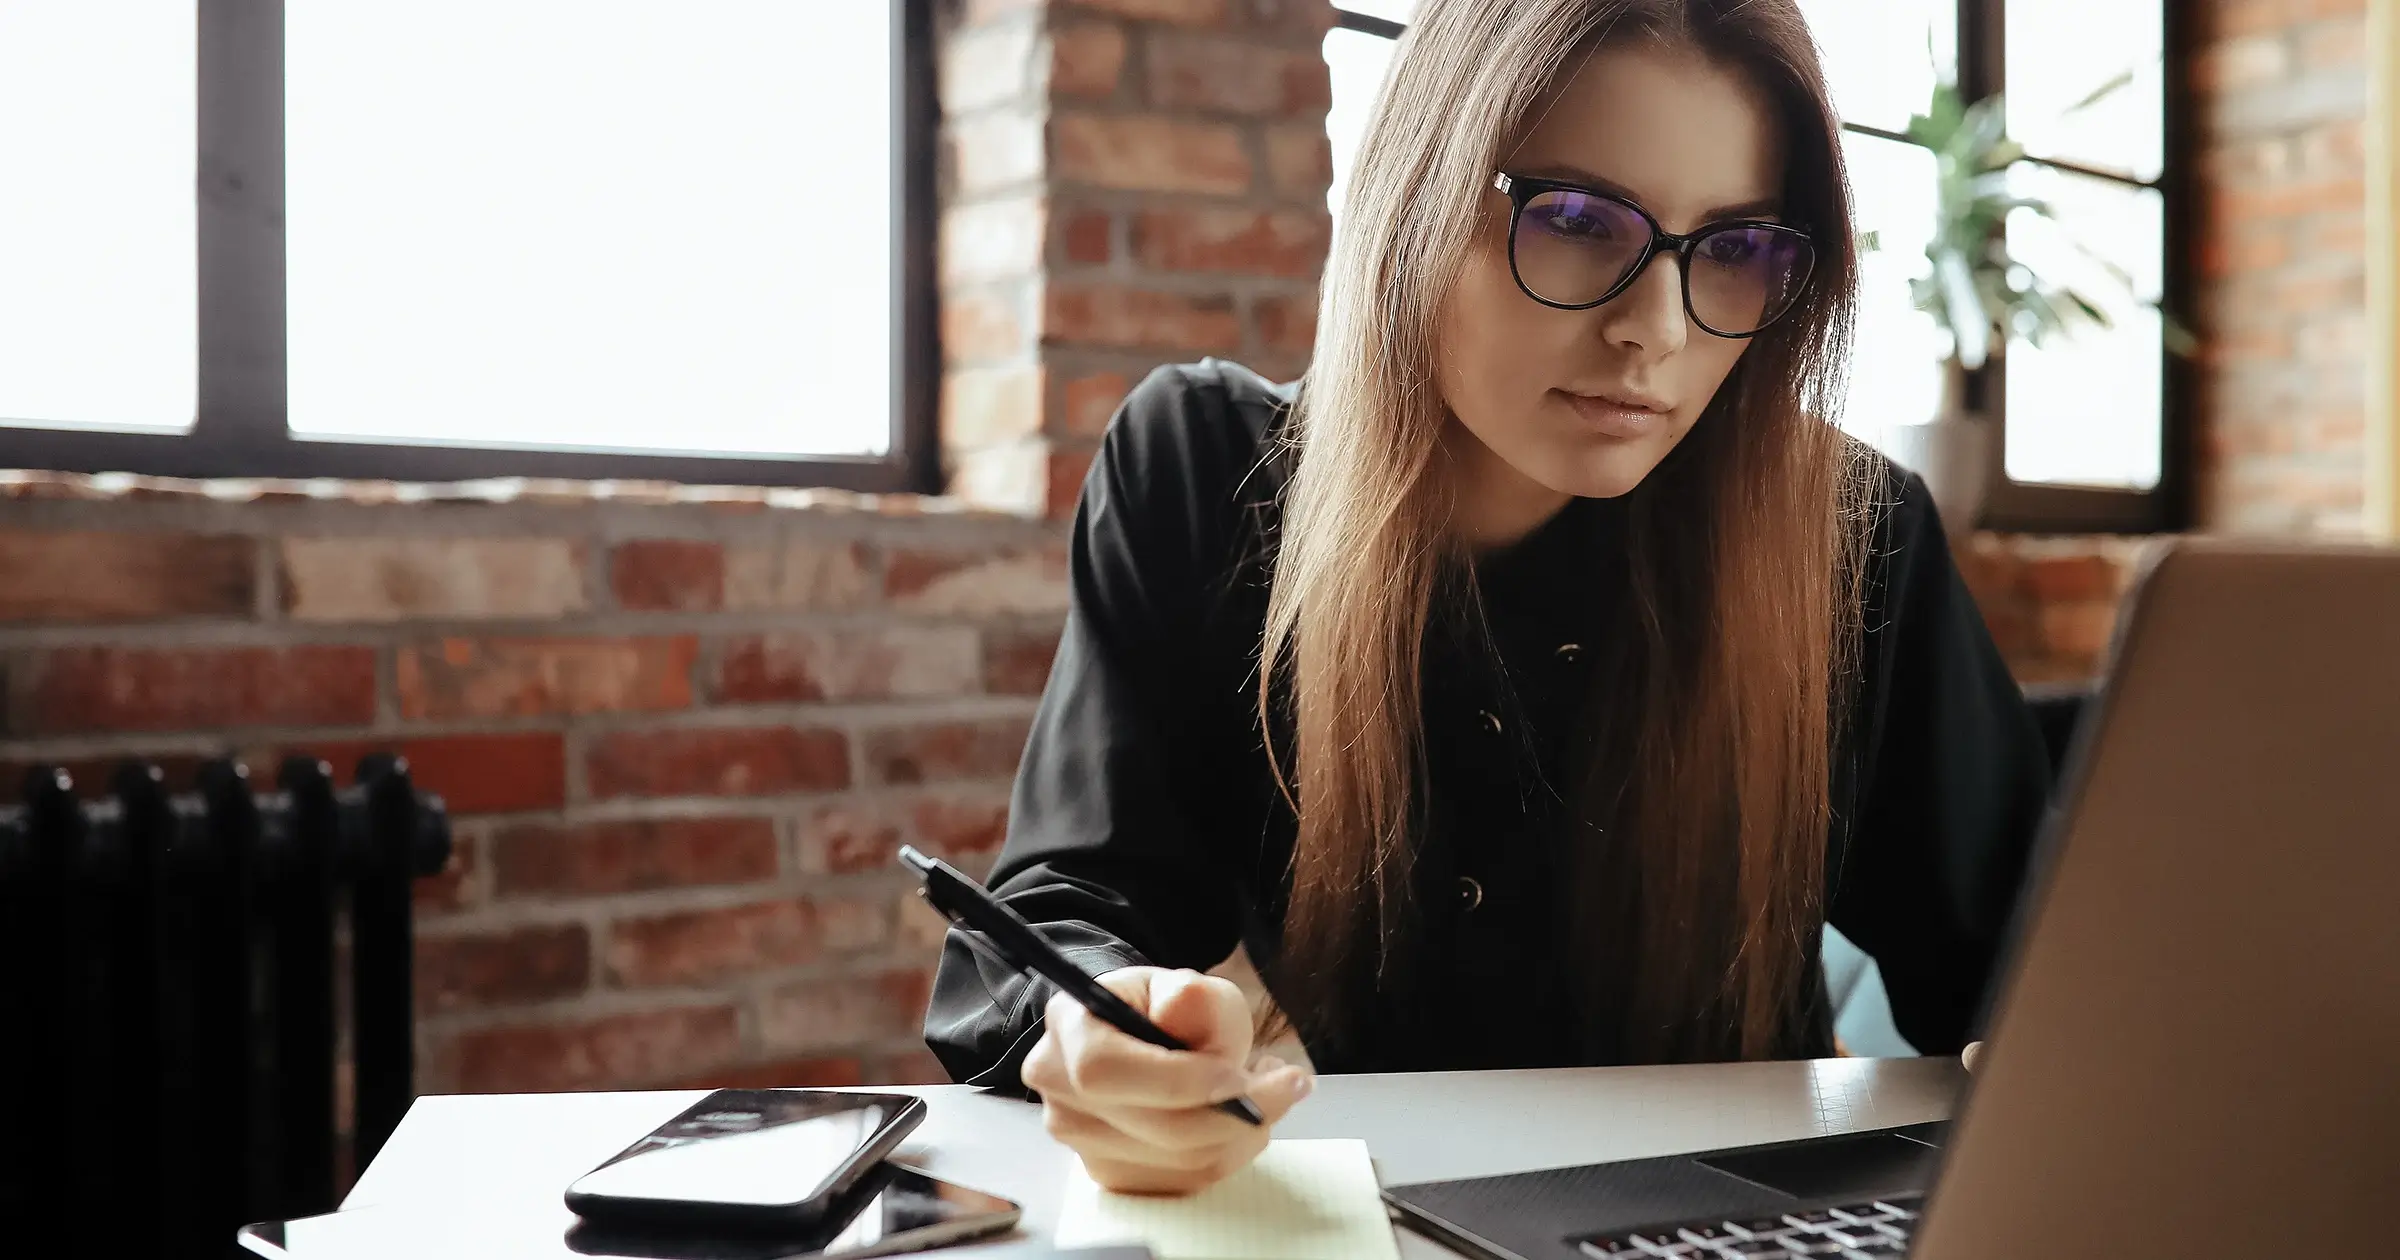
point(1649, 316)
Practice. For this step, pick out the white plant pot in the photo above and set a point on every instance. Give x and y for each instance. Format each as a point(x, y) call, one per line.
point(1954, 456)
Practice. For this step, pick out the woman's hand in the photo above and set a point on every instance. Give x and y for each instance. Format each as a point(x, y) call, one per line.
point(1143, 1119)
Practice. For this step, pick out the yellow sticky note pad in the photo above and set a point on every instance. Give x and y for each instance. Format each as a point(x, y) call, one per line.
point(1299, 1200)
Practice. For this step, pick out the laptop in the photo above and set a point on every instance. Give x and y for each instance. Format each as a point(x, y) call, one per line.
point(2195, 1049)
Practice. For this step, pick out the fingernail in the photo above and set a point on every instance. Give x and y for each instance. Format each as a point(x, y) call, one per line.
point(1307, 1085)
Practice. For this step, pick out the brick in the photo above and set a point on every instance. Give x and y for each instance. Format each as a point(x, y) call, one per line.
point(1247, 242)
point(815, 1073)
point(2080, 630)
point(1148, 153)
point(168, 689)
point(718, 761)
point(667, 575)
point(933, 752)
point(1017, 662)
point(993, 240)
point(74, 575)
point(394, 579)
point(1089, 402)
point(2062, 579)
point(1226, 76)
point(982, 326)
point(1087, 59)
point(1299, 161)
point(985, 66)
point(2242, 62)
point(1286, 323)
point(996, 150)
point(894, 661)
point(982, 406)
point(1068, 465)
point(917, 927)
point(490, 774)
point(977, 582)
point(1177, 12)
point(637, 1048)
point(639, 855)
point(800, 573)
point(914, 1067)
point(961, 826)
point(453, 887)
point(473, 774)
point(849, 836)
point(1007, 478)
point(700, 946)
point(471, 678)
point(849, 1011)
point(1087, 237)
point(1140, 319)
point(472, 972)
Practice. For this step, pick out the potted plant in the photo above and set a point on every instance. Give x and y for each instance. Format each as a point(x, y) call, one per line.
point(1979, 292)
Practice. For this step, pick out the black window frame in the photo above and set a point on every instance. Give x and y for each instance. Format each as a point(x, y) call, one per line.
point(2034, 507)
point(240, 425)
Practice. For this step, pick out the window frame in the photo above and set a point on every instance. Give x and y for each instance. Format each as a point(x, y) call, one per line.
point(2035, 507)
point(240, 426)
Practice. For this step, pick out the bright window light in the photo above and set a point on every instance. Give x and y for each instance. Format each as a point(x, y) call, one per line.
point(591, 224)
point(1356, 63)
point(98, 301)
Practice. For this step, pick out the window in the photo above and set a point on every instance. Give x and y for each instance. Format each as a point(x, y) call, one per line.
point(468, 238)
point(2086, 426)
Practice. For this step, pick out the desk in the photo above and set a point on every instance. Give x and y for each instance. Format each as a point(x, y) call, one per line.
point(516, 1152)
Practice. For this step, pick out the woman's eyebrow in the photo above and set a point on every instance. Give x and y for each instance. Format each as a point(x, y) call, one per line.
point(1760, 208)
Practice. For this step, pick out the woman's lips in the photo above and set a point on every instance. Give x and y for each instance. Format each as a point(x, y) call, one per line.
point(1611, 417)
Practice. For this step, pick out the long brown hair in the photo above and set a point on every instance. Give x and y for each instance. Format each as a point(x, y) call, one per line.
point(1705, 818)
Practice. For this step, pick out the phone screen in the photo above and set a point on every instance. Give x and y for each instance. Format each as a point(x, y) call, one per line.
point(751, 1148)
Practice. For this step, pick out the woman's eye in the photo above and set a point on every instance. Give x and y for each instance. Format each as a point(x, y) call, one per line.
point(1731, 249)
point(1585, 226)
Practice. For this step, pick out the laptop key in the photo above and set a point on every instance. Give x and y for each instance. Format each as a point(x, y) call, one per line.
point(1609, 1249)
point(1902, 1209)
point(1704, 1235)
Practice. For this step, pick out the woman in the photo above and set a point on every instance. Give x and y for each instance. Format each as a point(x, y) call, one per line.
point(1602, 670)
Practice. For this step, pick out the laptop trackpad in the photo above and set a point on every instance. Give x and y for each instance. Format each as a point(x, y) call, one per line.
point(1860, 1167)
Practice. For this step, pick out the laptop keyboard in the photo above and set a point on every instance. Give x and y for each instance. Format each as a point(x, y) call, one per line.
point(1879, 1229)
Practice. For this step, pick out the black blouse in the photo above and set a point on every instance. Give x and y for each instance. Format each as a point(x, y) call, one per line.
point(1146, 826)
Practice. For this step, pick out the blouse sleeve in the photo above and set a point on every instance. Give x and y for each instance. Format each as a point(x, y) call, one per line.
point(1119, 848)
point(1952, 782)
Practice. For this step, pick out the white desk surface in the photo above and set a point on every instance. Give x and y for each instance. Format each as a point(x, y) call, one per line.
point(511, 1153)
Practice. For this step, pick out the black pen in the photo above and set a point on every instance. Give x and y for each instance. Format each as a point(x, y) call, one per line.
point(965, 903)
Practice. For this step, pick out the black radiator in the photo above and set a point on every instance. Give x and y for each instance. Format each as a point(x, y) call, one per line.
point(175, 1024)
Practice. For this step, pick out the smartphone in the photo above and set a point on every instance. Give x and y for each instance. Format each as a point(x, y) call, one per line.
point(748, 1158)
point(892, 1209)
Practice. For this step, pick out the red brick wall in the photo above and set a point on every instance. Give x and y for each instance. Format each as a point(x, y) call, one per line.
point(1126, 183)
point(2282, 290)
point(679, 742)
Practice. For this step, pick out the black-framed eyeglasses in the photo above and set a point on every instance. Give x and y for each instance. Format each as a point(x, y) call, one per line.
point(1575, 248)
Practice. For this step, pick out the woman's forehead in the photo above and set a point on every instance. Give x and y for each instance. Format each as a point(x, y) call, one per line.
point(1684, 136)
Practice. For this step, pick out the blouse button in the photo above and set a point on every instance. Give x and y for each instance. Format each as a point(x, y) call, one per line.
point(1470, 893)
point(1569, 652)
point(1491, 720)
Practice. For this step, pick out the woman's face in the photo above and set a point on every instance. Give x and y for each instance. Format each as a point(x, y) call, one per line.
point(1556, 403)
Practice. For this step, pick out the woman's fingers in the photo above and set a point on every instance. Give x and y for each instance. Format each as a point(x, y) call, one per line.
point(1142, 1117)
point(1099, 1063)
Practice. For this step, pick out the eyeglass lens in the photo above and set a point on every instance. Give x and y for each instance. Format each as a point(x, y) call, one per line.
point(1572, 248)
